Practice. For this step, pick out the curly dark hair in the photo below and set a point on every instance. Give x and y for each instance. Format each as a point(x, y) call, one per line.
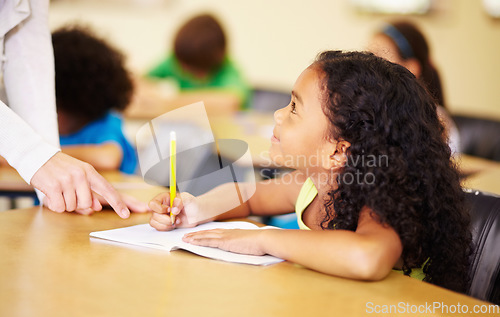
point(384, 112)
point(91, 78)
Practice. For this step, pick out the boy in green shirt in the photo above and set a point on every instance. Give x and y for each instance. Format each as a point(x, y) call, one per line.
point(200, 61)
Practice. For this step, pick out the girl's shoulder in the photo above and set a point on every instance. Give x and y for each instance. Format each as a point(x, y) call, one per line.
point(278, 195)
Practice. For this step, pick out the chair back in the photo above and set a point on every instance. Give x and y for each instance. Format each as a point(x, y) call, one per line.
point(479, 136)
point(485, 264)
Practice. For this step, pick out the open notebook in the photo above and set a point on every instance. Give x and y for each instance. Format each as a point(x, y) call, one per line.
point(146, 236)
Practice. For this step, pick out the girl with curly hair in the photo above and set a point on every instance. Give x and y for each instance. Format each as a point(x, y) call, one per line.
point(374, 188)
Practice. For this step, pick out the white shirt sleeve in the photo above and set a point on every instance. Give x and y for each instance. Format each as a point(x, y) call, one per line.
point(21, 146)
point(28, 130)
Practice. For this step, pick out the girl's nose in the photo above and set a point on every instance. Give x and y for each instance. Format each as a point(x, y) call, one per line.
point(278, 115)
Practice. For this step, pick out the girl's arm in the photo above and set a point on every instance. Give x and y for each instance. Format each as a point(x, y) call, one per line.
point(103, 157)
point(271, 197)
point(369, 253)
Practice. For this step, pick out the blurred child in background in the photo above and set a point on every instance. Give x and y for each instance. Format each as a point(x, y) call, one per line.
point(92, 87)
point(404, 44)
point(200, 69)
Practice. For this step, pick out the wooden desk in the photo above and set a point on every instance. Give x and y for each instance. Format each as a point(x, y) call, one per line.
point(50, 267)
point(471, 165)
point(481, 174)
point(487, 181)
point(12, 187)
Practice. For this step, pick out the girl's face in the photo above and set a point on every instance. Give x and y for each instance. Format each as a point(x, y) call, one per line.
point(299, 138)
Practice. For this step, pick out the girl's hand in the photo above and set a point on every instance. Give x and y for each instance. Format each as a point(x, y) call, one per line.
point(184, 208)
point(233, 240)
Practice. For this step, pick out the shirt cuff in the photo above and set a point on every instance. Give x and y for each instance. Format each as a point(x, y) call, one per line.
point(29, 163)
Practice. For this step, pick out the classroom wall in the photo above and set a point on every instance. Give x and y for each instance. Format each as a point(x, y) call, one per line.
point(273, 41)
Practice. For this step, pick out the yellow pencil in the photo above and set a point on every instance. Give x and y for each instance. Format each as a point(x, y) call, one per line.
point(173, 184)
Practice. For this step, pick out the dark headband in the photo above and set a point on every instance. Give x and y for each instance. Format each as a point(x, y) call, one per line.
point(400, 41)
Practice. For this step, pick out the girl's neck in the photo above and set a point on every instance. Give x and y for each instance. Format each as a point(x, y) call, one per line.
point(324, 182)
point(315, 212)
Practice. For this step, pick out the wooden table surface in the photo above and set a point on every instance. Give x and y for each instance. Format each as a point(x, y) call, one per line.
point(50, 267)
point(481, 174)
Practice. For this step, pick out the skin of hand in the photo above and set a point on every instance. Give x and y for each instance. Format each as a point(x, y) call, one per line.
point(233, 240)
point(3, 161)
point(132, 203)
point(184, 208)
point(70, 184)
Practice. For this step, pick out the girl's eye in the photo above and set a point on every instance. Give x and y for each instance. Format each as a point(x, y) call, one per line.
point(293, 110)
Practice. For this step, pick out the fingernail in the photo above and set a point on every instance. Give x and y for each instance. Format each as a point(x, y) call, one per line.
point(175, 210)
point(125, 212)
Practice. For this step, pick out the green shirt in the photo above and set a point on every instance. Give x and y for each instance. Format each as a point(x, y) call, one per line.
point(226, 76)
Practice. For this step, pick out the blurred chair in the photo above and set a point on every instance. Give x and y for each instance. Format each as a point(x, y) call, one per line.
point(268, 100)
point(479, 136)
point(485, 264)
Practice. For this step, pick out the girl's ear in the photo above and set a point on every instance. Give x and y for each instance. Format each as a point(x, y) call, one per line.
point(338, 155)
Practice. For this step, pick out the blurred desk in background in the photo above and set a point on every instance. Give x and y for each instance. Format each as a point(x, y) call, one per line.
point(13, 188)
point(10, 180)
point(486, 181)
point(470, 165)
point(254, 128)
point(480, 174)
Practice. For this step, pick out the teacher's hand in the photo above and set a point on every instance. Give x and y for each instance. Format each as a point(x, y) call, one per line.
point(133, 204)
point(70, 184)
